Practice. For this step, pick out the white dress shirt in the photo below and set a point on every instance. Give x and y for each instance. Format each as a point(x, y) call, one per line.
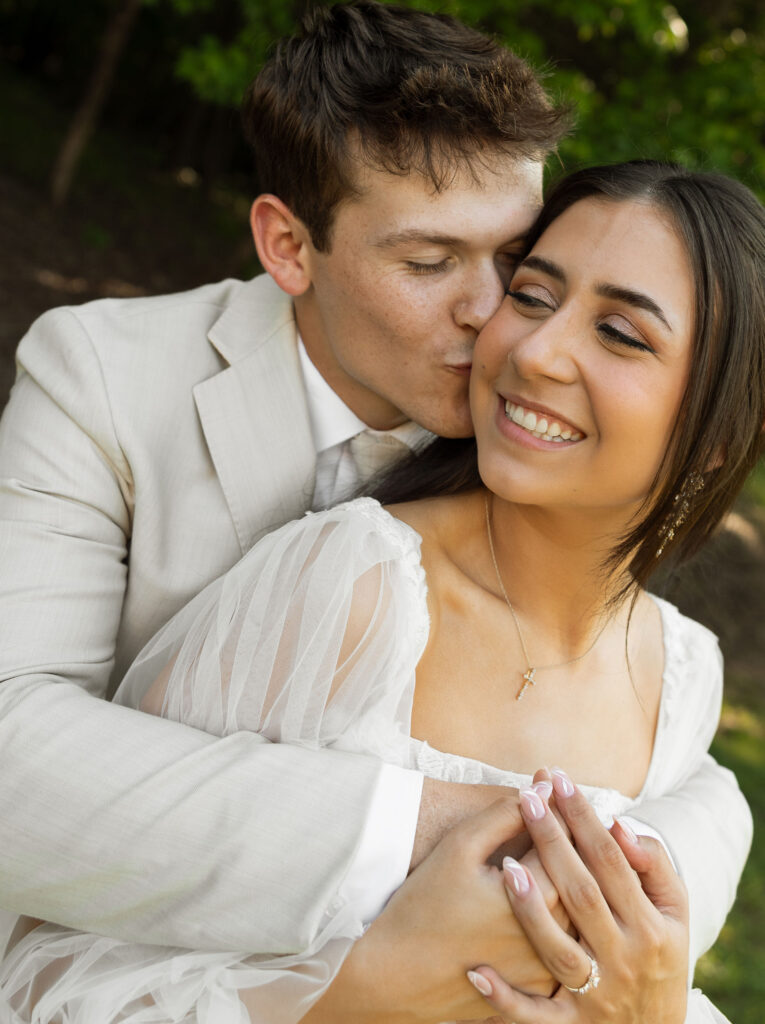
point(333, 425)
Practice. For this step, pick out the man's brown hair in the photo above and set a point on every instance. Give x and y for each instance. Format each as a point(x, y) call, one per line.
point(401, 90)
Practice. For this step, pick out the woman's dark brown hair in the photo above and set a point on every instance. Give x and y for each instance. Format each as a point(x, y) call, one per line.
point(397, 89)
point(718, 433)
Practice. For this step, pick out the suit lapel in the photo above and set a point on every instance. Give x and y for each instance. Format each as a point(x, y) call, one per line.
point(254, 415)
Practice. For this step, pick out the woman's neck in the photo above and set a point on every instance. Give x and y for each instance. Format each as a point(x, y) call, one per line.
point(551, 564)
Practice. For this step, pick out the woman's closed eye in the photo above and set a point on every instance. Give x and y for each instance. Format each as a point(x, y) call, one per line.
point(615, 336)
point(540, 300)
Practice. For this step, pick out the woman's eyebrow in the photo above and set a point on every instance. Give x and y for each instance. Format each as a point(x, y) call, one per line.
point(633, 298)
point(609, 291)
point(546, 266)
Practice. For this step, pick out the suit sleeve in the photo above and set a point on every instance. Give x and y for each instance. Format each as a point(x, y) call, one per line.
point(111, 820)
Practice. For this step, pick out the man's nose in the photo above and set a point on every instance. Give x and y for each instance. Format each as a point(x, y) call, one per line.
point(482, 294)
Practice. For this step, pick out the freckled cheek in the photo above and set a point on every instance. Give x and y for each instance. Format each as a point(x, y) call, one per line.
point(397, 307)
point(427, 295)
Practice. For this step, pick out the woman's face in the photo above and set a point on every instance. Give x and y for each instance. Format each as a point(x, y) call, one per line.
point(578, 377)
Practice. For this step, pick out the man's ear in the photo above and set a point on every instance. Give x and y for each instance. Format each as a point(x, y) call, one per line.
point(283, 242)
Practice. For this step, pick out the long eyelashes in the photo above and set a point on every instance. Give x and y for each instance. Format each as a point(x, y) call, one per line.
point(427, 268)
point(623, 339)
point(414, 267)
point(527, 300)
point(609, 332)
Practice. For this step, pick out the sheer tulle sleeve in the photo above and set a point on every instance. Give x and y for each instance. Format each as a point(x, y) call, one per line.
point(312, 638)
point(318, 627)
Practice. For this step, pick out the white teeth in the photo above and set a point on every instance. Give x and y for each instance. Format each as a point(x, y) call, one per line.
point(540, 427)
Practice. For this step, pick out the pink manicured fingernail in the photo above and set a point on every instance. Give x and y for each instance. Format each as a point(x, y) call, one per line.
point(544, 789)
point(562, 784)
point(628, 831)
point(531, 805)
point(516, 876)
point(478, 981)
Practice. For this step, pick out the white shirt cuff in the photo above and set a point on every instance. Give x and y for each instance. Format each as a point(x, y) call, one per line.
point(641, 829)
point(382, 859)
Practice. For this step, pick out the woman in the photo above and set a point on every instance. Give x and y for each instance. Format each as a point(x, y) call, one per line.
point(618, 397)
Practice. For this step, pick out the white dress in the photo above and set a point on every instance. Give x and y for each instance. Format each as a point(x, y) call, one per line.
point(313, 638)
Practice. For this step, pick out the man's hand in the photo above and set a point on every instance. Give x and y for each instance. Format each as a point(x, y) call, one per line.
point(445, 804)
point(451, 914)
point(628, 906)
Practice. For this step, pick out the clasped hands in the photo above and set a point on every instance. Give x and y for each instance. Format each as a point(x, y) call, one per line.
point(629, 914)
point(465, 939)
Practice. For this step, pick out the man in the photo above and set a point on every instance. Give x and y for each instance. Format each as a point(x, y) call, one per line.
point(148, 443)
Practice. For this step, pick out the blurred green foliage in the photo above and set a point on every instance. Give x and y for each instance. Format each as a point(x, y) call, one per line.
point(649, 79)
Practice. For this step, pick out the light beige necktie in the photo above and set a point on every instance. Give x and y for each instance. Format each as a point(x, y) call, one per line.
point(375, 451)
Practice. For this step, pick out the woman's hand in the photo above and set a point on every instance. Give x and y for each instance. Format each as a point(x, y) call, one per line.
point(410, 966)
point(628, 906)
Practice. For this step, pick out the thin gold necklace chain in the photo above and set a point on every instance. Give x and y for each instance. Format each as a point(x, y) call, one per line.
point(528, 676)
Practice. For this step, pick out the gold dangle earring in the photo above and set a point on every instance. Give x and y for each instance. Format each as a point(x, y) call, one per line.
point(681, 506)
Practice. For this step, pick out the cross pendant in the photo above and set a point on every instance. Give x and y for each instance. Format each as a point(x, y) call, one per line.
point(528, 680)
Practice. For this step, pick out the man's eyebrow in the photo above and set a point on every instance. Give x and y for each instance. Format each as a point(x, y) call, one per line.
point(633, 298)
point(408, 235)
point(609, 291)
point(395, 238)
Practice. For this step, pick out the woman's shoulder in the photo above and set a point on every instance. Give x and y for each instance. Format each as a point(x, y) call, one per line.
point(440, 520)
point(691, 697)
point(693, 662)
point(683, 631)
point(355, 534)
point(365, 517)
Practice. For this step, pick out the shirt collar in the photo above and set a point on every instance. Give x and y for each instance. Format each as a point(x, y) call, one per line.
point(332, 422)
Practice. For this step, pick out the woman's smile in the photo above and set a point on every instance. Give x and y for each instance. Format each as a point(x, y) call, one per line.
point(529, 429)
point(586, 361)
point(543, 424)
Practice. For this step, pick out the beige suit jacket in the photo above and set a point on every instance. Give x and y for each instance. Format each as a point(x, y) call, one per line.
point(146, 445)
